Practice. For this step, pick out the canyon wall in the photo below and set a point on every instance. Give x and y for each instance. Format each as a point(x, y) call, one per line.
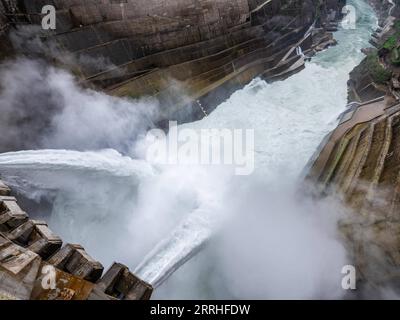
point(206, 49)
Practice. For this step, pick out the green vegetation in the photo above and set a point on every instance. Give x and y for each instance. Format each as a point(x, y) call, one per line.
point(391, 42)
point(378, 73)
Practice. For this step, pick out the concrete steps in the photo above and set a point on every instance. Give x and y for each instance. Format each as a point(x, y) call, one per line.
point(355, 186)
point(362, 166)
point(358, 159)
point(334, 159)
point(28, 247)
point(346, 167)
point(386, 176)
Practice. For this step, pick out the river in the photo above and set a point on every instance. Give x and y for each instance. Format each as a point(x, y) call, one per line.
point(243, 236)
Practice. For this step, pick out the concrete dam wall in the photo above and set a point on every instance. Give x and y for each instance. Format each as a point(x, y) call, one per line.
point(28, 248)
point(360, 159)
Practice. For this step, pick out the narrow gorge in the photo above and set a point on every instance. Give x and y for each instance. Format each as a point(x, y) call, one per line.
point(318, 84)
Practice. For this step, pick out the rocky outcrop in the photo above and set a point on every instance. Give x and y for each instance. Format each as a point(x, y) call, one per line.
point(208, 48)
point(28, 248)
point(360, 160)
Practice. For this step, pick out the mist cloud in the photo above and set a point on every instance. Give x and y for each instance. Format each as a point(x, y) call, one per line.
point(44, 107)
point(276, 244)
point(283, 245)
point(33, 42)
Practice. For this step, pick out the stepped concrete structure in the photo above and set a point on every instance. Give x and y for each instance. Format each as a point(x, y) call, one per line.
point(30, 253)
point(360, 161)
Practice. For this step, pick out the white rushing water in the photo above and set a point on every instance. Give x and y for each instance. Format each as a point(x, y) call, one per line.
point(123, 209)
point(290, 118)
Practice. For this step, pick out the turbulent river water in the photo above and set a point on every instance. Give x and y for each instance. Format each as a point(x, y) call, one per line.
point(247, 236)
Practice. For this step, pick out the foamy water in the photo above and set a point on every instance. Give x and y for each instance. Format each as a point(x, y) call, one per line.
point(290, 117)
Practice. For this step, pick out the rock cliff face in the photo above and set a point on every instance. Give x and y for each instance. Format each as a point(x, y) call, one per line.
point(208, 48)
point(361, 158)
